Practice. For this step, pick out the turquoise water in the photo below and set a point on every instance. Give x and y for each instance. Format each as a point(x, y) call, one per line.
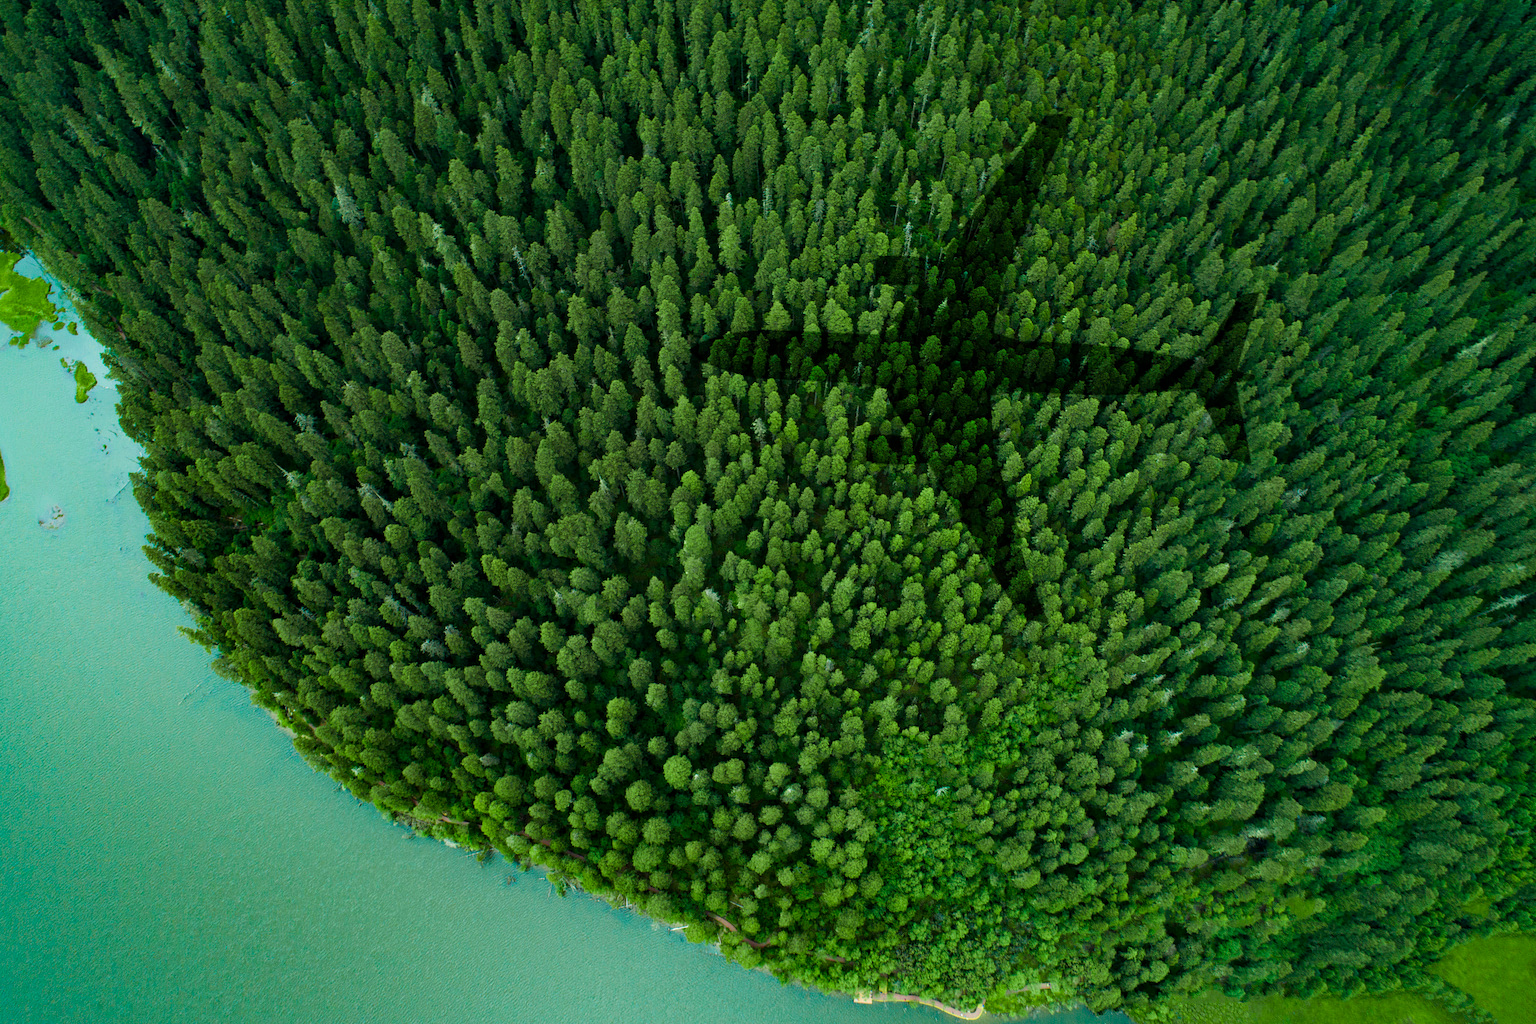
point(166, 856)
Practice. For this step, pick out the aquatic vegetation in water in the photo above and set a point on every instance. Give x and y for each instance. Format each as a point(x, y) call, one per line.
point(84, 378)
point(24, 302)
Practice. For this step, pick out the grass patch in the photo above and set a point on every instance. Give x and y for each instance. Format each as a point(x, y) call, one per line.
point(1304, 906)
point(1498, 972)
point(1012, 1004)
point(1389, 1008)
point(1480, 907)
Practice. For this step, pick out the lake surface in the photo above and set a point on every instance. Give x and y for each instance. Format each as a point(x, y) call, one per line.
point(167, 857)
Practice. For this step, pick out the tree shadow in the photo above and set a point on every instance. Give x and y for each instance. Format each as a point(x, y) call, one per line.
point(943, 335)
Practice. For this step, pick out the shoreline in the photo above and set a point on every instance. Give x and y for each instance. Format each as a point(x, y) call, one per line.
point(620, 903)
point(279, 723)
point(896, 997)
point(867, 997)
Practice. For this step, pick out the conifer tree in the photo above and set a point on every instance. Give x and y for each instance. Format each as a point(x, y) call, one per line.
point(440, 452)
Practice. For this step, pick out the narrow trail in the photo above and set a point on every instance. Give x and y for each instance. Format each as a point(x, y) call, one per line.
point(981, 1008)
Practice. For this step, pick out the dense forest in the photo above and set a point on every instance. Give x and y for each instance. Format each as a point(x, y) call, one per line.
point(662, 441)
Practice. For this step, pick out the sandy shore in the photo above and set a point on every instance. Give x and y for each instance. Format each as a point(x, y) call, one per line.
point(287, 731)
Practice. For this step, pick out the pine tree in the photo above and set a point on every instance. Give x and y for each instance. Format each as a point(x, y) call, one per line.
point(1274, 629)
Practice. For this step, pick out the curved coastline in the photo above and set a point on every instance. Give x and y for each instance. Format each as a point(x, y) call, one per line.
point(195, 771)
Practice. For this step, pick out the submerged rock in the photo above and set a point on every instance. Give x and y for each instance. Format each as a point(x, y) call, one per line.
point(53, 520)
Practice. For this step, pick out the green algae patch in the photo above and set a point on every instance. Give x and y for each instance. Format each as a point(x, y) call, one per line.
point(84, 381)
point(84, 378)
point(24, 302)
